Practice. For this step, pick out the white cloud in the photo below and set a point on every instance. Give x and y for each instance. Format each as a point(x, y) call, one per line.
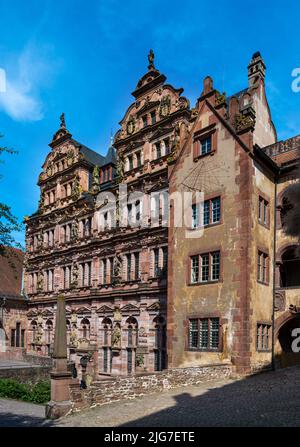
point(24, 76)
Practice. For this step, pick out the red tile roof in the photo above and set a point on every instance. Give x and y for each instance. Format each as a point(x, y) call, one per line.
point(11, 272)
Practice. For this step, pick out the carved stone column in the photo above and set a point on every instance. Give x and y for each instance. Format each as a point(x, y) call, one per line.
point(61, 378)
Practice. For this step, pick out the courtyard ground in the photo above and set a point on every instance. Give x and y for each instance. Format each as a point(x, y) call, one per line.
point(268, 399)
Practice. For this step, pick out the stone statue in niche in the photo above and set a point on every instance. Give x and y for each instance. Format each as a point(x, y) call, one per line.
point(74, 229)
point(40, 281)
point(39, 335)
point(75, 188)
point(116, 337)
point(117, 269)
point(75, 274)
point(175, 144)
point(73, 336)
point(120, 166)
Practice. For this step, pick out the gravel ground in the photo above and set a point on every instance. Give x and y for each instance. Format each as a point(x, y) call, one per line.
point(265, 400)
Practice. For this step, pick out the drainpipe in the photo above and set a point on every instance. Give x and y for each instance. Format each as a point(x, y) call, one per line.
point(274, 274)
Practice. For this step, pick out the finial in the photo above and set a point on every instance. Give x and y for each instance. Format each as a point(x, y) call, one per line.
point(62, 120)
point(151, 59)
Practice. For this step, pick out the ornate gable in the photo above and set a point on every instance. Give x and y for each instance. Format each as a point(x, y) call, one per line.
point(105, 310)
point(130, 309)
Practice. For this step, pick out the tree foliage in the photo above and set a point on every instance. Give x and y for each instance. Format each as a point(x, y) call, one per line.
point(8, 222)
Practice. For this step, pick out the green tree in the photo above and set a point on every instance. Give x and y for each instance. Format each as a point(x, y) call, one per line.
point(8, 222)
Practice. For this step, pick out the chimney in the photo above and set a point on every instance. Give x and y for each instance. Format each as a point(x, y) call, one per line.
point(256, 69)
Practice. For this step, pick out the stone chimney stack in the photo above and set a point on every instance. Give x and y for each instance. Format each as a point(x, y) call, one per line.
point(256, 69)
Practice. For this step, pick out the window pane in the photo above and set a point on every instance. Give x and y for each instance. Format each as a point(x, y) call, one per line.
point(206, 212)
point(206, 145)
point(205, 267)
point(216, 209)
point(215, 266)
point(193, 334)
point(195, 269)
point(195, 215)
point(214, 333)
point(203, 334)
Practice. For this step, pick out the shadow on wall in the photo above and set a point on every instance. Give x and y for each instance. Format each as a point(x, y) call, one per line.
point(264, 400)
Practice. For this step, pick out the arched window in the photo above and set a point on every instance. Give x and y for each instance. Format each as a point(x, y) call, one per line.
point(85, 328)
point(106, 327)
point(132, 342)
point(160, 343)
point(33, 329)
point(132, 332)
point(107, 353)
point(290, 268)
point(49, 331)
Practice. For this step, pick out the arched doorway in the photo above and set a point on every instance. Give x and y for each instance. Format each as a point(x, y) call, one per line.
point(284, 353)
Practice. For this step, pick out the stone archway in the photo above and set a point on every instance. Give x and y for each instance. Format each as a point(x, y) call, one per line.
point(284, 326)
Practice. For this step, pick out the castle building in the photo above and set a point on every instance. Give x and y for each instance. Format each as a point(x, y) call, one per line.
point(151, 282)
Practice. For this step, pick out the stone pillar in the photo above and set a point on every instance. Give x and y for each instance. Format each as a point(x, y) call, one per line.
point(61, 378)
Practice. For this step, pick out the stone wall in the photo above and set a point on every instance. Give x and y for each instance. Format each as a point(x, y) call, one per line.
point(29, 374)
point(114, 389)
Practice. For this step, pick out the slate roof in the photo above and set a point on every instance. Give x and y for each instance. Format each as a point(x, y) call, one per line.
point(90, 155)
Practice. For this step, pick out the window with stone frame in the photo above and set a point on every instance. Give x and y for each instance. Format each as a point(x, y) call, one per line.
point(205, 267)
point(66, 276)
point(263, 211)
point(153, 117)
point(136, 265)
point(204, 143)
point(49, 280)
point(158, 149)
point(128, 265)
point(85, 328)
point(263, 337)
point(145, 120)
point(160, 343)
point(130, 162)
point(86, 274)
point(262, 267)
point(107, 352)
point(204, 334)
point(138, 156)
point(206, 213)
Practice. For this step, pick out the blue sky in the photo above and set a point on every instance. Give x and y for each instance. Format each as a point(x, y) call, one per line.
point(85, 58)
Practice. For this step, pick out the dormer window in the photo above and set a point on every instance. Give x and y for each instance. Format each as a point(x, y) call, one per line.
point(205, 145)
point(153, 117)
point(145, 120)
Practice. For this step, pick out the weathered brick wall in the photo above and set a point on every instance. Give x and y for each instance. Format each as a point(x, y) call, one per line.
point(114, 389)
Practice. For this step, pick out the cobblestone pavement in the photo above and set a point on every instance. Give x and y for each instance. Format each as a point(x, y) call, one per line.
point(21, 414)
point(268, 399)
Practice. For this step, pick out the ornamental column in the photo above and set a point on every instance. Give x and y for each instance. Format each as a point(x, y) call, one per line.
point(61, 378)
